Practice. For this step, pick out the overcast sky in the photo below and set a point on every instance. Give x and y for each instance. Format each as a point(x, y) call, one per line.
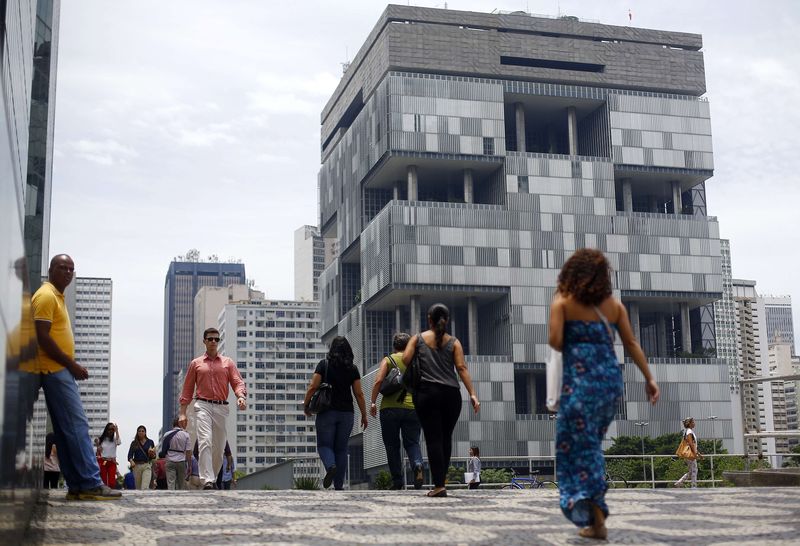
point(195, 124)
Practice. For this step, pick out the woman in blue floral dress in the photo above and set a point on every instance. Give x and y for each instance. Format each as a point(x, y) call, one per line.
point(582, 320)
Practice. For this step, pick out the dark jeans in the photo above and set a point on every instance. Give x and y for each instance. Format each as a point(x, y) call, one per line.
point(438, 408)
point(333, 432)
point(51, 479)
point(393, 422)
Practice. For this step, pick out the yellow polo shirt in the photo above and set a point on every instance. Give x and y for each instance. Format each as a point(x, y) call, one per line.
point(49, 305)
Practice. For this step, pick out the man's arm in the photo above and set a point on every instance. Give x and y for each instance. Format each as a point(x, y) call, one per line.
point(186, 394)
point(237, 383)
point(49, 346)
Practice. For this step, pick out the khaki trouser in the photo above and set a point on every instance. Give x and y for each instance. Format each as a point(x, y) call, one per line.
point(176, 475)
point(142, 474)
point(211, 438)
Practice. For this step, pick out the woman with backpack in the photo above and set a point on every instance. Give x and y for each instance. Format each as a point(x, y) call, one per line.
point(335, 423)
point(397, 415)
point(438, 396)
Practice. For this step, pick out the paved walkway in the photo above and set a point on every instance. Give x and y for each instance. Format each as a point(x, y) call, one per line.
point(319, 518)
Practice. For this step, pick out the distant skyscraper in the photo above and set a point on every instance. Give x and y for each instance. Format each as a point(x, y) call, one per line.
point(784, 401)
point(276, 347)
point(183, 281)
point(780, 327)
point(309, 261)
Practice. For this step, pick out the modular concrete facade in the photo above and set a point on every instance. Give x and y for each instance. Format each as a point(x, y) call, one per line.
point(465, 156)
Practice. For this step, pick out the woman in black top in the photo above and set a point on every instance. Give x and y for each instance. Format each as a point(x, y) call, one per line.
point(335, 425)
point(438, 398)
point(140, 453)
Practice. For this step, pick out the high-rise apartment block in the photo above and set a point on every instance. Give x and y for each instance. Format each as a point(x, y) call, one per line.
point(465, 156)
point(310, 253)
point(184, 279)
point(276, 347)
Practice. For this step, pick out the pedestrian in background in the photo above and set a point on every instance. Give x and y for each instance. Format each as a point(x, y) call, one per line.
point(207, 381)
point(58, 371)
point(193, 472)
point(227, 471)
point(691, 439)
point(335, 425)
point(474, 467)
point(107, 444)
point(581, 316)
point(52, 472)
point(438, 397)
point(159, 474)
point(398, 415)
point(140, 454)
point(178, 454)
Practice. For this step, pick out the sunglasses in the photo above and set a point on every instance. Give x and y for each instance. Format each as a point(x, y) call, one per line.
point(214, 339)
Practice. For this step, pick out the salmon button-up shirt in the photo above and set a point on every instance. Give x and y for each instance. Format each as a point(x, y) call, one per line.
point(211, 378)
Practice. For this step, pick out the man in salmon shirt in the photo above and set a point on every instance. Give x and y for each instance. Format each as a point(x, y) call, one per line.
point(207, 381)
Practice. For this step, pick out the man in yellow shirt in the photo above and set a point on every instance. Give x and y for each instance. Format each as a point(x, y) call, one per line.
point(58, 371)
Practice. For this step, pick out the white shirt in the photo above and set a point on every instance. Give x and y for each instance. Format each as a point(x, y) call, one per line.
point(108, 448)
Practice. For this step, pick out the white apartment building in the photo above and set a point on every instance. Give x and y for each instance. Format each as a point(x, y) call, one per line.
point(311, 253)
point(276, 347)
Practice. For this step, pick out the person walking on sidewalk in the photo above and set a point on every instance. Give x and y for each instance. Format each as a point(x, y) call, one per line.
point(52, 472)
point(107, 454)
point(178, 453)
point(207, 381)
point(140, 454)
point(335, 424)
point(398, 415)
point(438, 398)
point(474, 467)
point(691, 462)
point(58, 373)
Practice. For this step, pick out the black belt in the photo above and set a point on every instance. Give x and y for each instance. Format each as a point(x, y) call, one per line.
point(224, 402)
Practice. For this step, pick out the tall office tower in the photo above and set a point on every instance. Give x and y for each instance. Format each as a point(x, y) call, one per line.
point(725, 321)
point(465, 156)
point(28, 56)
point(310, 253)
point(780, 327)
point(752, 351)
point(784, 400)
point(276, 347)
point(209, 303)
point(184, 279)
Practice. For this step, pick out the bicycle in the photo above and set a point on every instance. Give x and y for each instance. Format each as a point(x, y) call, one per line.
point(529, 482)
point(614, 483)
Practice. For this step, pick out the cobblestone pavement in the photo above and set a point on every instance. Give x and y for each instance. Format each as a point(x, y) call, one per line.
point(317, 518)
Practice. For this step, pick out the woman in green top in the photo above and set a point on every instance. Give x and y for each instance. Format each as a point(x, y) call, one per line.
point(398, 414)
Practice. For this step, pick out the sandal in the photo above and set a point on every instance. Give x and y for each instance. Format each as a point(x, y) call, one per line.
point(441, 493)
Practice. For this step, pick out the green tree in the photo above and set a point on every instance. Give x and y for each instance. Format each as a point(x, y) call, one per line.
point(383, 480)
point(495, 475)
point(455, 475)
point(794, 460)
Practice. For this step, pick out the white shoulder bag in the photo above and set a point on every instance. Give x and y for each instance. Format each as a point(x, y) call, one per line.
point(555, 376)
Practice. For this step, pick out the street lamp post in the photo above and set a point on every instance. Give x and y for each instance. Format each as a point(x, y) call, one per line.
point(641, 435)
point(713, 418)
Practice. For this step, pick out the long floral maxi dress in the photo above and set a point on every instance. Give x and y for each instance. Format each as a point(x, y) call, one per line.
point(591, 393)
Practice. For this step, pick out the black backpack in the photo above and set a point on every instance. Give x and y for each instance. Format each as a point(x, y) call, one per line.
point(165, 444)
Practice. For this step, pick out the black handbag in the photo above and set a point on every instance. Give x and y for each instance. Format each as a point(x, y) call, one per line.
point(393, 382)
point(322, 399)
point(412, 377)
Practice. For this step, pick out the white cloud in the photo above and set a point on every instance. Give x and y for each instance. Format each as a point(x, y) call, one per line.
point(103, 152)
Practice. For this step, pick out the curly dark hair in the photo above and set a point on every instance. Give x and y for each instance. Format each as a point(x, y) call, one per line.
point(586, 276)
point(340, 352)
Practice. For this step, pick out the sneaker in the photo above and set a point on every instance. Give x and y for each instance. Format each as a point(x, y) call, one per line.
point(329, 475)
point(418, 478)
point(72, 494)
point(102, 492)
point(209, 486)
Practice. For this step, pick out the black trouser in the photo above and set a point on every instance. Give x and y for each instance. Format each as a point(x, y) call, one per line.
point(438, 407)
point(51, 479)
point(474, 485)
